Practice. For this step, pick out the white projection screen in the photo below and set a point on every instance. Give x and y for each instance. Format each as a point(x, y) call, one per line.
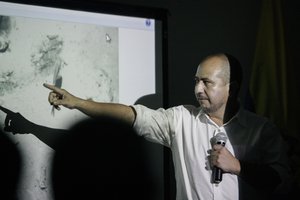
point(88, 50)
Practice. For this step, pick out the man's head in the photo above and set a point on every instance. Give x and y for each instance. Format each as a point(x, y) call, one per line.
point(218, 77)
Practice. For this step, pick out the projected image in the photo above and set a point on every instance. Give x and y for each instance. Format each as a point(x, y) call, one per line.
point(83, 58)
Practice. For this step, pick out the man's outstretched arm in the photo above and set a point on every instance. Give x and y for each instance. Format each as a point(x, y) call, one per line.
point(60, 97)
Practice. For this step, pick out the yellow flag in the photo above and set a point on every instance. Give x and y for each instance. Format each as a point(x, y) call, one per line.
point(268, 83)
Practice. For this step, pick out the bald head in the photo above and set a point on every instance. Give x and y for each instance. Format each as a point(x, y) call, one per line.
point(228, 66)
point(219, 63)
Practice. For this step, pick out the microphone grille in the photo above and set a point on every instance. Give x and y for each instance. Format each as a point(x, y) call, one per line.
point(219, 137)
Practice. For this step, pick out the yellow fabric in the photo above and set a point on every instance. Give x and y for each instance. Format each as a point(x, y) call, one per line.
point(268, 83)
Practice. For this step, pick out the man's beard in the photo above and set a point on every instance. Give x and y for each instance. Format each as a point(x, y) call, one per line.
point(208, 110)
point(211, 109)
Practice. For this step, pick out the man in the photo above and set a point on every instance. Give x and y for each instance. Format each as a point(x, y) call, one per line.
point(252, 160)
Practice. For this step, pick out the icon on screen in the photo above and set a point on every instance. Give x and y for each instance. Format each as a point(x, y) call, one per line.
point(148, 22)
point(107, 38)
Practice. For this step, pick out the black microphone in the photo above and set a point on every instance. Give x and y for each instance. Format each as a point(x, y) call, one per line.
point(217, 173)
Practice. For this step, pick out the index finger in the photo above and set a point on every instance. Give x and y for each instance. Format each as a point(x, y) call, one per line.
point(6, 110)
point(217, 147)
point(53, 88)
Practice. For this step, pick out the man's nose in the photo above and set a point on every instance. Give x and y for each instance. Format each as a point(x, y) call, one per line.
point(199, 87)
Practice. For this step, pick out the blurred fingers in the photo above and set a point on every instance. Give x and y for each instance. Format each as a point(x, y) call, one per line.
point(54, 89)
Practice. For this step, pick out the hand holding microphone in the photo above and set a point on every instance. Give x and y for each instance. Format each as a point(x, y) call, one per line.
point(223, 160)
point(219, 139)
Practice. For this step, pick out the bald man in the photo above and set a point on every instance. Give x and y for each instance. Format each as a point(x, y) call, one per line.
point(251, 159)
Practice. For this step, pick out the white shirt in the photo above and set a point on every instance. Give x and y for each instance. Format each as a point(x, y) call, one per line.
point(187, 131)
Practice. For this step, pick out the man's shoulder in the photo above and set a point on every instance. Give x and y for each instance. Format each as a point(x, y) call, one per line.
point(251, 118)
point(186, 108)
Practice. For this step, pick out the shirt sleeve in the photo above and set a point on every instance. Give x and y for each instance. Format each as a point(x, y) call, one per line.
point(272, 170)
point(275, 150)
point(260, 176)
point(155, 125)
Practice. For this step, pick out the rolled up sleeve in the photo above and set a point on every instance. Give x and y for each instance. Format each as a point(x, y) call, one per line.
point(155, 125)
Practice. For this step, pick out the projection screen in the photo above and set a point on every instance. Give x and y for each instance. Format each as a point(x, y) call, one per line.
point(97, 56)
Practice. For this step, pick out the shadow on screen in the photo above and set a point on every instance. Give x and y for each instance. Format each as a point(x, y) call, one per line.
point(9, 168)
point(168, 181)
point(153, 101)
point(102, 159)
point(16, 123)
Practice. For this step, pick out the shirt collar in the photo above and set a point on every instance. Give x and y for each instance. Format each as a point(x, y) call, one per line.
point(239, 117)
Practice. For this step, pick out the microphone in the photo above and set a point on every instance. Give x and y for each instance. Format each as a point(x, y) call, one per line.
point(217, 173)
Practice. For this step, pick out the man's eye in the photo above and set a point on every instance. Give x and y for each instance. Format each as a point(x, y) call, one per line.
point(207, 83)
